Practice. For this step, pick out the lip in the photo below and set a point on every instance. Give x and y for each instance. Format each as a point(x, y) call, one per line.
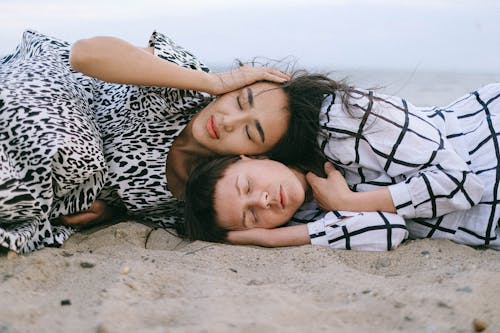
point(282, 197)
point(212, 128)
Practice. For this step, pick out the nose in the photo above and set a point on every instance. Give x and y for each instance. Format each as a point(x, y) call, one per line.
point(234, 121)
point(260, 200)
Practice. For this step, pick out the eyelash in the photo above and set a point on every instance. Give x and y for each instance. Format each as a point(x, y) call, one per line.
point(247, 132)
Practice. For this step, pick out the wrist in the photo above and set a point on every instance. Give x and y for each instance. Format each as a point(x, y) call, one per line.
point(210, 83)
point(355, 202)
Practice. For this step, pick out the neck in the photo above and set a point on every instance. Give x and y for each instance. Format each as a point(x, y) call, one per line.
point(184, 155)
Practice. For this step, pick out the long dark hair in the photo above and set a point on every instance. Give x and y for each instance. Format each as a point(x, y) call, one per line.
point(306, 93)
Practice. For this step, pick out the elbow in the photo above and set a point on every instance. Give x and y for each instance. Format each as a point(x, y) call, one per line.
point(81, 55)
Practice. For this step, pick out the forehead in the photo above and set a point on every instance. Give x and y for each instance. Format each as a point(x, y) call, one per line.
point(267, 90)
point(226, 199)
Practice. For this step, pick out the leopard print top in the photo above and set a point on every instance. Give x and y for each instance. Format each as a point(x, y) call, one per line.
point(67, 139)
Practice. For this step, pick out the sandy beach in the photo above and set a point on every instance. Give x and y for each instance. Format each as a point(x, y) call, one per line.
point(129, 277)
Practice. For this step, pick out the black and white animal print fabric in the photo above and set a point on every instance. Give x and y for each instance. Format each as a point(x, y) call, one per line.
point(441, 165)
point(67, 139)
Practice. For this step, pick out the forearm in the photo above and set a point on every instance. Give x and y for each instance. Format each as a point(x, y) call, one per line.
point(289, 236)
point(371, 201)
point(114, 60)
point(284, 236)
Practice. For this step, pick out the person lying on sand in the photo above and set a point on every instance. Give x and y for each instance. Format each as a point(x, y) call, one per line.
point(244, 200)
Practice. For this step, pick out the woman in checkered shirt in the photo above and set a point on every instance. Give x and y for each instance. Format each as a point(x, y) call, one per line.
point(436, 167)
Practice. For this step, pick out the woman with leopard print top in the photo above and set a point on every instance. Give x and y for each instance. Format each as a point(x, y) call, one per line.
point(104, 120)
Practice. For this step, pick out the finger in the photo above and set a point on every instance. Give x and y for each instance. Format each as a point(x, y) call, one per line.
point(313, 180)
point(274, 78)
point(80, 219)
point(329, 167)
point(279, 73)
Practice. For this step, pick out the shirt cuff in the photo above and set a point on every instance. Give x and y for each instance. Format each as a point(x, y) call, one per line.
point(317, 232)
point(402, 200)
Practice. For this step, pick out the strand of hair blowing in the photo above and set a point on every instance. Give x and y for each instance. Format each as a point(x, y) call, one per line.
point(306, 93)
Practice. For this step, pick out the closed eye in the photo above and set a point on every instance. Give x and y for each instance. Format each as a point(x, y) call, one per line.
point(247, 132)
point(239, 103)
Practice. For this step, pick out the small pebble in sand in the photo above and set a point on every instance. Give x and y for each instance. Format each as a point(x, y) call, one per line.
point(65, 302)
point(254, 283)
point(465, 289)
point(87, 264)
point(12, 255)
point(125, 270)
point(66, 254)
point(101, 328)
point(479, 325)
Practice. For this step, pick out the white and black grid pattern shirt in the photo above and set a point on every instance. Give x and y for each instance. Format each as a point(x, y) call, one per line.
point(440, 164)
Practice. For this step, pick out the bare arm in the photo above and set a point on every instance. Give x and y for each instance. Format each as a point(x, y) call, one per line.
point(114, 60)
point(284, 236)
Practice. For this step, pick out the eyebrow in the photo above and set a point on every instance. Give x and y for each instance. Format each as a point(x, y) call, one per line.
point(250, 97)
point(260, 130)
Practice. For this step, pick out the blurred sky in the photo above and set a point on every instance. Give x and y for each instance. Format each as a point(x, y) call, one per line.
point(421, 35)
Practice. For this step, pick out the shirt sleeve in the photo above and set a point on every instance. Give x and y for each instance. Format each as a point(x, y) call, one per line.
point(366, 231)
point(425, 175)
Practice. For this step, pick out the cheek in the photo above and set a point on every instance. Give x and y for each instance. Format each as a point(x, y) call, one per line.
point(277, 129)
point(236, 144)
point(275, 219)
point(232, 145)
point(297, 199)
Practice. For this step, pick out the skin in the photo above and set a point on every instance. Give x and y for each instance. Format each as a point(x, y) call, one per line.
point(333, 193)
point(248, 121)
point(328, 192)
point(114, 60)
point(258, 193)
